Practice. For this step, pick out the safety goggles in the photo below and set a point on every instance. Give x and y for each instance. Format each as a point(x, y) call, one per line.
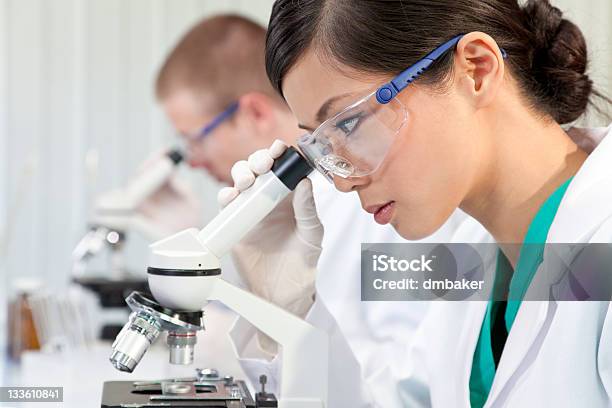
point(207, 129)
point(354, 142)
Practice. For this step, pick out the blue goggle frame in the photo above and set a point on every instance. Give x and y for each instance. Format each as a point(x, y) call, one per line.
point(388, 91)
point(217, 120)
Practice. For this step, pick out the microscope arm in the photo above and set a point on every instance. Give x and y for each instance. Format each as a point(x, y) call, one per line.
point(305, 348)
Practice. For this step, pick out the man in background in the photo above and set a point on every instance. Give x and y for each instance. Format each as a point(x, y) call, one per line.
point(214, 90)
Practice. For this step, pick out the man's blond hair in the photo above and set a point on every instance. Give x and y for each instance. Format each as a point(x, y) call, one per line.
point(221, 57)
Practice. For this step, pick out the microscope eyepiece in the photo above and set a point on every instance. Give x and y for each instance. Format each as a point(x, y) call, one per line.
point(176, 156)
point(291, 168)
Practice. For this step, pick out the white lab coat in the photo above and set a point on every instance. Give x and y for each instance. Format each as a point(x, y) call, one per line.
point(366, 337)
point(558, 354)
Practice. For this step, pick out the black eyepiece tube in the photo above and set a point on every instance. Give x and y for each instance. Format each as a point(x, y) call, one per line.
point(176, 156)
point(291, 168)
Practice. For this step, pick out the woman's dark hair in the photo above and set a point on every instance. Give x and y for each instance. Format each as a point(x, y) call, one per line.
point(547, 53)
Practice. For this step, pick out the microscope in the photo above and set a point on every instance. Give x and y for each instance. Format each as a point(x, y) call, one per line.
point(184, 274)
point(115, 213)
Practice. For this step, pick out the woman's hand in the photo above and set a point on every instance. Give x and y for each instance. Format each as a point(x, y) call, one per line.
point(278, 258)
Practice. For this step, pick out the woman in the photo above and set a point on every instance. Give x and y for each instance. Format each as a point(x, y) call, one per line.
point(422, 107)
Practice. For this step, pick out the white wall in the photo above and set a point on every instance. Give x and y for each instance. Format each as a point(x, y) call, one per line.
point(76, 76)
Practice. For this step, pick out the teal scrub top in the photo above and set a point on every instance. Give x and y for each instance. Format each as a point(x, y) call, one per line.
point(516, 284)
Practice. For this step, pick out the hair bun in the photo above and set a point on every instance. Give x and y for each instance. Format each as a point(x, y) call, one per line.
point(558, 61)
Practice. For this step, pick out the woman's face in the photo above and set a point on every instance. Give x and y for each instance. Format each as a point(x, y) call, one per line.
point(432, 161)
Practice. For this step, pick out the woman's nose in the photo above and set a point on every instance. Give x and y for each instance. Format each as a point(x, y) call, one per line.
point(346, 185)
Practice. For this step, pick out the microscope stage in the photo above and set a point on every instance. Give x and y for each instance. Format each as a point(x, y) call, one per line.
point(172, 393)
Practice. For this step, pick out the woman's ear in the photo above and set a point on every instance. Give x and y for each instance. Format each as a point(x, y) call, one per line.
point(479, 68)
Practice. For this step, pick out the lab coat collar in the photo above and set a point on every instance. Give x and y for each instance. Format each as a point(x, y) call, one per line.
point(590, 189)
point(592, 184)
point(527, 332)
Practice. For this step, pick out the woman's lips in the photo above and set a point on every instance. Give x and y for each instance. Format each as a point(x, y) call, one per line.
point(382, 213)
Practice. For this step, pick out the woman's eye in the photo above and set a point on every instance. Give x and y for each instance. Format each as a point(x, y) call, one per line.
point(348, 125)
point(326, 148)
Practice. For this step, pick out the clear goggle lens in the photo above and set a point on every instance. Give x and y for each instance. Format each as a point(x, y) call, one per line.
point(355, 142)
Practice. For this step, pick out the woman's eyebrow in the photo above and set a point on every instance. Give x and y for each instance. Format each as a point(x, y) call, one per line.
point(323, 112)
point(308, 128)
